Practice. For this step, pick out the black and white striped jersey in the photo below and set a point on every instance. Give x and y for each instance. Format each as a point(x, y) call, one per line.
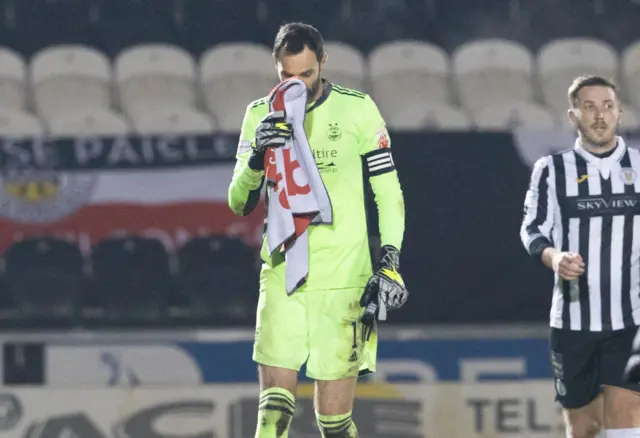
point(590, 205)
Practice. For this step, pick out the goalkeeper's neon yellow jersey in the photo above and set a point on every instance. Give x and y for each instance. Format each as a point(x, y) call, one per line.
point(346, 133)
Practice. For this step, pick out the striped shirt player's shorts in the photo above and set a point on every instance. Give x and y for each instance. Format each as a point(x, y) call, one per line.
point(584, 361)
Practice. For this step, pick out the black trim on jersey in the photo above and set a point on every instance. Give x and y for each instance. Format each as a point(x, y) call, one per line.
point(605, 256)
point(327, 87)
point(629, 190)
point(561, 188)
point(379, 162)
point(583, 245)
point(541, 210)
point(252, 200)
point(260, 102)
point(348, 92)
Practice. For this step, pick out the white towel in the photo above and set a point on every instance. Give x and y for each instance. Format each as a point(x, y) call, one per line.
point(297, 195)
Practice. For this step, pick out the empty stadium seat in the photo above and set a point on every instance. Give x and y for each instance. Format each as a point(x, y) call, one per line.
point(131, 278)
point(406, 72)
point(630, 58)
point(173, 121)
point(233, 75)
point(153, 75)
point(560, 61)
point(45, 278)
point(418, 116)
point(219, 277)
point(89, 122)
point(515, 114)
point(70, 77)
point(345, 65)
point(16, 123)
point(13, 79)
point(490, 71)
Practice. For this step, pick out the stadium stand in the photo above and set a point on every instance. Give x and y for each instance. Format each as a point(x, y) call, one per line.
point(131, 56)
point(153, 67)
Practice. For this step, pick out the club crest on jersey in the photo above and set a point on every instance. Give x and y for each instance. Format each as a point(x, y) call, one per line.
point(334, 133)
point(628, 176)
point(382, 138)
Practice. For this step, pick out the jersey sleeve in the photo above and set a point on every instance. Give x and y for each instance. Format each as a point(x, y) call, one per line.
point(375, 147)
point(539, 214)
point(246, 183)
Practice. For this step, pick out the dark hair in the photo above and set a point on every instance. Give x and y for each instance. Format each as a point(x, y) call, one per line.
point(292, 38)
point(588, 81)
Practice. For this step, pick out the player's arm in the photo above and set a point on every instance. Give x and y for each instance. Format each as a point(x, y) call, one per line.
point(383, 177)
point(538, 222)
point(386, 288)
point(539, 214)
point(247, 180)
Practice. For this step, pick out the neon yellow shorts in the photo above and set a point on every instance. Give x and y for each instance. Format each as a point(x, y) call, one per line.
point(321, 328)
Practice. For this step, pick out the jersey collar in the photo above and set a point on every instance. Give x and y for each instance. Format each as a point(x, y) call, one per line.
point(326, 90)
point(602, 163)
point(615, 156)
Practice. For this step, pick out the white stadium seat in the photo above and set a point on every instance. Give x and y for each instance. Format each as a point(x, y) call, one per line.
point(15, 123)
point(70, 77)
point(407, 72)
point(173, 121)
point(13, 79)
point(491, 71)
point(418, 116)
point(97, 122)
point(232, 76)
point(506, 116)
point(151, 75)
point(630, 58)
point(560, 61)
point(345, 65)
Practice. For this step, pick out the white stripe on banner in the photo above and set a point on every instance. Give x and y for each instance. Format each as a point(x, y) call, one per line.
point(188, 184)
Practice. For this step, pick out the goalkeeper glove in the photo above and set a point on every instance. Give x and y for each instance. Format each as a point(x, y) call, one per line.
point(385, 289)
point(272, 132)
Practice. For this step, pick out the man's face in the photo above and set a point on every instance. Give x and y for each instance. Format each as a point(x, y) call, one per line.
point(596, 115)
point(305, 65)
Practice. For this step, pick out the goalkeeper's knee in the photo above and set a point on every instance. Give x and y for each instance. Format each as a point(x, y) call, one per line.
point(337, 426)
point(275, 412)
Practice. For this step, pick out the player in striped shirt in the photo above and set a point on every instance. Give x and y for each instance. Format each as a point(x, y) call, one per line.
point(582, 220)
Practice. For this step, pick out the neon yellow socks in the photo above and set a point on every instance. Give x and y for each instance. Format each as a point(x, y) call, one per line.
point(275, 411)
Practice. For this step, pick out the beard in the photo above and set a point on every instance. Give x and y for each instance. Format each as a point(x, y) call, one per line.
point(313, 89)
point(595, 139)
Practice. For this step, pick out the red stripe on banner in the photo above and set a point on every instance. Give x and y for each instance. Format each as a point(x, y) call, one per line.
point(173, 224)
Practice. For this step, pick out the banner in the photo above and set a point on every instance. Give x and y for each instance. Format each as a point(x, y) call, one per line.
point(88, 189)
point(464, 194)
point(524, 410)
point(416, 356)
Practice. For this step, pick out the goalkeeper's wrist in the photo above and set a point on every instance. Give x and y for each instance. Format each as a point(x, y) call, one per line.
point(256, 160)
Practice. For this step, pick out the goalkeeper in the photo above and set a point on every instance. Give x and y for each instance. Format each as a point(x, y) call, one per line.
point(329, 323)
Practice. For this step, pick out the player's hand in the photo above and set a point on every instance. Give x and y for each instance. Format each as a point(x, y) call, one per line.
point(272, 132)
point(385, 290)
point(568, 265)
